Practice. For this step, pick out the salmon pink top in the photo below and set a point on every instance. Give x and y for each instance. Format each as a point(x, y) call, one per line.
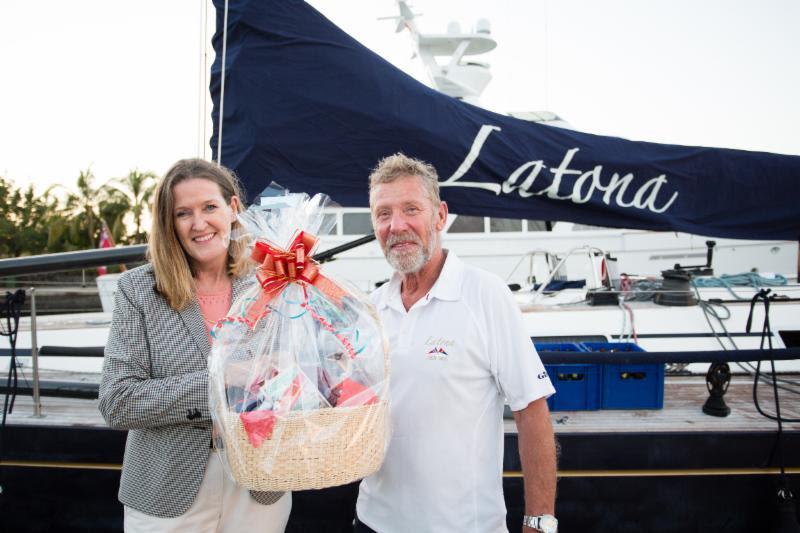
point(213, 307)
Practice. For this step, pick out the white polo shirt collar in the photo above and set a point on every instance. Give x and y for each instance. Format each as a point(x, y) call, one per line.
point(446, 287)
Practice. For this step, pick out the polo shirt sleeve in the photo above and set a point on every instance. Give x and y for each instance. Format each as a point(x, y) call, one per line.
point(516, 366)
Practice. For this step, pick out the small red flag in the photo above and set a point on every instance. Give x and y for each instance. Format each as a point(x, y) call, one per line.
point(106, 241)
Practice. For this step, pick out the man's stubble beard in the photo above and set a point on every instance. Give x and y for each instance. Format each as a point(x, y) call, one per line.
point(412, 261)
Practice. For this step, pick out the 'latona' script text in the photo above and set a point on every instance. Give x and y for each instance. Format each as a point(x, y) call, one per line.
point(523, 181)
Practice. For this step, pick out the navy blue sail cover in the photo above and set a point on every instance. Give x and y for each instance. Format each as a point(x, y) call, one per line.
point(309, 107)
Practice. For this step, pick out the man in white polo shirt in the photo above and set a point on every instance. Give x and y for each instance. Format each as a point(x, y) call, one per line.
point(458, 348)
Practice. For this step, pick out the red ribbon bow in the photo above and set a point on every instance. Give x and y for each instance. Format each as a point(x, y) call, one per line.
point(278, 268)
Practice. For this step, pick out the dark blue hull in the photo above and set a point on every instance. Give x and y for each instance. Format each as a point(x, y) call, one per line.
point(66, 479)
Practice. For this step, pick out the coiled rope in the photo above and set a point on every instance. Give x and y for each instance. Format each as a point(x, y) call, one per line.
point(746, 279)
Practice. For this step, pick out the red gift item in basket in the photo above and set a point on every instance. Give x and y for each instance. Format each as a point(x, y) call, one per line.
point(258, 425)
point(350, 393)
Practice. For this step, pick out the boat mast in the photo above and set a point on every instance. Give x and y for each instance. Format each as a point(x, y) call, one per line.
point(204, 96)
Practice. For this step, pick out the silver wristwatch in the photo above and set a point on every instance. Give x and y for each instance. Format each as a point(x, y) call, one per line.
point(545, 523)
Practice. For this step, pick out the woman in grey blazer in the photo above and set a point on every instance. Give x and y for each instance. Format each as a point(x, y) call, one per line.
point(155, 377)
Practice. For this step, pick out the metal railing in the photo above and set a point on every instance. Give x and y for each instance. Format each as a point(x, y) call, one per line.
point(38, 264)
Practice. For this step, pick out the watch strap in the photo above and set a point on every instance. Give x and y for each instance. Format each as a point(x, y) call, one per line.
point(535, 522)
point(531, 521)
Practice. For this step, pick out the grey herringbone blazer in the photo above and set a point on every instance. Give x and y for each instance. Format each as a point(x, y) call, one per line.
point(155, 384)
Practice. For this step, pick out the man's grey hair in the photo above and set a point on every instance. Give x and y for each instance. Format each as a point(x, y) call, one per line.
point(399, 165)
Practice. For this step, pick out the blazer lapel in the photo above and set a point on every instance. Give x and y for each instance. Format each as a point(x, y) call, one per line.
point(194, 323)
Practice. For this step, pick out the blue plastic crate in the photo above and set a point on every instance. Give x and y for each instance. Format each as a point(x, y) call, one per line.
point(577, 385)
point(631, 386)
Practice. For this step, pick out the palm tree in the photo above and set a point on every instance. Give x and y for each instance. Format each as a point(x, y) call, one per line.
point(137, 189)
point(84, 206)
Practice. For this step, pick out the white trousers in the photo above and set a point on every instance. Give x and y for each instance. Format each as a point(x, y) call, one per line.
point(221, 506)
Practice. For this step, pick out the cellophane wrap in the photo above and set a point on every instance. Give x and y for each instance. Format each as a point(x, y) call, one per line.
point(299, 369)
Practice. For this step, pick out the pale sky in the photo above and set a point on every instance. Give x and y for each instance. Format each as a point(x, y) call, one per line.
point(117, 84)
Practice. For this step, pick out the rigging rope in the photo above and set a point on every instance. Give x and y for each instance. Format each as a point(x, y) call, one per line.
point(766, 334)
point(11, 310)
point(746, 279)
point(784, 494)
point(710, 310)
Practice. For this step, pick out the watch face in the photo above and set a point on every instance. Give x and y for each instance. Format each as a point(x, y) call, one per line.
point(548, 524)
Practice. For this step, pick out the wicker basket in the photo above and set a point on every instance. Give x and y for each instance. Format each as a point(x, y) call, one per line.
point(309, 450)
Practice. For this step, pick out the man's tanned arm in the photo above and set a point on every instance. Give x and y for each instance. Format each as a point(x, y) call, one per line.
point(537, 452)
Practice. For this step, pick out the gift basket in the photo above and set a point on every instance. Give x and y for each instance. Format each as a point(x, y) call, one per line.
point(299, 370)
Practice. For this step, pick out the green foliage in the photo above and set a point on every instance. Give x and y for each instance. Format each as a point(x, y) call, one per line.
point(23, 220)
point(136, 189)
point(32, 224)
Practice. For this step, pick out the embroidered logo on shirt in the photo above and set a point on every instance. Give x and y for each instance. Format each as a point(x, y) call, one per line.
point(437, 352)
point(437, 348)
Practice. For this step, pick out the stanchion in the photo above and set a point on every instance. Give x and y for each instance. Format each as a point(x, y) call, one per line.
point(37, 403)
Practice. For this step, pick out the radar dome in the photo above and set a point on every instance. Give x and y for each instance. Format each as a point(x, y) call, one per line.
point(483, 26)
point(454, 28)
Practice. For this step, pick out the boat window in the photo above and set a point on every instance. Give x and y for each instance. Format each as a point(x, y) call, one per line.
point(356, 224)
point(537, 225)
point(504, 224)
point(328, 226)
point(587, 227)
point(466, 224)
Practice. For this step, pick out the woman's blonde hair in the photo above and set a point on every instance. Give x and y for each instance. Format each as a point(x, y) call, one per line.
point(170, 262)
